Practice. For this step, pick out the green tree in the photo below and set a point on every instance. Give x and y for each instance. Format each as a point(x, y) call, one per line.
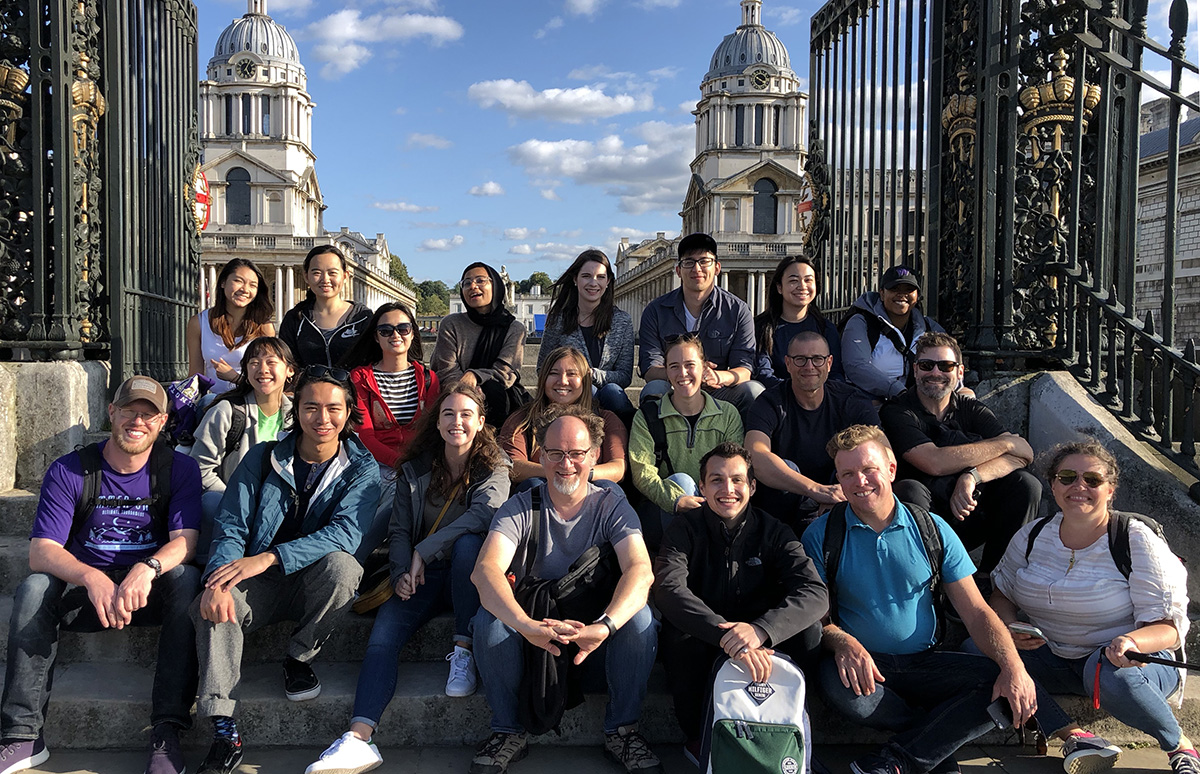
point(433, 297)
point(538, 278)
point(399, 271)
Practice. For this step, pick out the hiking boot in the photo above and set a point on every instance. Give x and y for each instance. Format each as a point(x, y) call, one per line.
point(1085, 753)
point(1184, 762)
point(223, 757)
point(166, 757)
point(628, 748)
point(21, 754)
point(876, 763)
point(462, 680)
point(300, 682)
point(347, 755)
point(498, 751)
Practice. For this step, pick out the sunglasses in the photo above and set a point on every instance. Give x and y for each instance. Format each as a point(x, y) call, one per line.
point(1091, 478)
point(945, 366)
point(323, 371)
point(385, 331)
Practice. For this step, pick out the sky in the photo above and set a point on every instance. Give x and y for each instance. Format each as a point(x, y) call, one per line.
point(517, 133)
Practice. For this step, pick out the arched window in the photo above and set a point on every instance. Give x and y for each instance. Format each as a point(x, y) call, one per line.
point(764, 206)
point(731, 216)
point(237, 197)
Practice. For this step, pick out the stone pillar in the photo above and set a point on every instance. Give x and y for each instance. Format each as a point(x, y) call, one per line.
point(212, 287)
point(723, 278)
point(762, 290)
point(291, 287)
point(750, 294)
point(279, 310)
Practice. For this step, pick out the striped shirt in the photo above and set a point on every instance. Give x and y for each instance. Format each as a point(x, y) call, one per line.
point(399, 392)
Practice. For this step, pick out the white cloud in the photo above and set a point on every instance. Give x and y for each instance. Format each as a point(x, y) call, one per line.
point(521, 234)
point(582, 7)
point(402, 206)
point(555, 23)
point(418, 140)
point(519, 98)
point(665, 73)
point(550, 195)
point(490, 188)
point(649, 176)
point(441, 245)
point(339, 37)
point(559, 251)
point(463, 223)
point(651, 4)
point(400, 111)
point(687, 107)
point(574, 233)
point(785, 16)
point(520, 250)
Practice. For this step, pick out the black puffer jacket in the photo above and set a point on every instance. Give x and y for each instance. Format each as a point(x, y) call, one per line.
point(308, 343)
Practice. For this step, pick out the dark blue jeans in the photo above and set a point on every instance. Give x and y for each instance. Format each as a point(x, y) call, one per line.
point(43, 604)
point(613, 398)
point(936, 701)
point(447, 586)
point(627, 657)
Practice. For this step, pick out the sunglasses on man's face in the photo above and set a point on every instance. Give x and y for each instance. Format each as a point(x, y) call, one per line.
point(945, 366)
point(1090, 477)
point(386, 331)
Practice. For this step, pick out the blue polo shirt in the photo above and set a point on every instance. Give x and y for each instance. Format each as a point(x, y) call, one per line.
point(725, 329)
point(883, 592)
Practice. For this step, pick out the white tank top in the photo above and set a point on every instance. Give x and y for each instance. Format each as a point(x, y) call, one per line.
point(212, 347)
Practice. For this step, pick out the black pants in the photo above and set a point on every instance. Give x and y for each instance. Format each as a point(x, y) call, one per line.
point(690, 664)
point(1002, 507)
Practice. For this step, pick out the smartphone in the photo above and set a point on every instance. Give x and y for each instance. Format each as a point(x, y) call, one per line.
point(1020, 627)
point(1000, 713)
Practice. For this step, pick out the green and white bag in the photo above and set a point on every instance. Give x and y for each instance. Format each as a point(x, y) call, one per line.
point(758, 728)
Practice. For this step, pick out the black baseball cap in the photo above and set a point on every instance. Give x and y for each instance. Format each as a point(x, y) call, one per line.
point(900, 275)
point(697, 242)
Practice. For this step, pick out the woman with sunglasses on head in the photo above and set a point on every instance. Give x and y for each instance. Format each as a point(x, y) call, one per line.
point(485, 345)
point(259, 404)
point(323, 327)
point(393, 389)
point(791, 309)
point(565, 378)
point(453, 477)
point(584, 315)
point(1097, 584)
point(241, 312)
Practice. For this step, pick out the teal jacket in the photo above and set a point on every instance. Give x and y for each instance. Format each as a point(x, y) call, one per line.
point(719, 421)
point(253, 508)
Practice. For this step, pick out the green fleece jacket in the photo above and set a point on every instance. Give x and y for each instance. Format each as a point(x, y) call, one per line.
point(719, 421)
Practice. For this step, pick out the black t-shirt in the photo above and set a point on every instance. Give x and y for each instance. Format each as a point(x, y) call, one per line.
point(908, 425)
point(593, 344)
point(308, 477)
point(800, 435)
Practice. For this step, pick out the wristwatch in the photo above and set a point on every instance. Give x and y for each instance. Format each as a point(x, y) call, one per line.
point(608, 623)
point(974, 472)
point(153, 564)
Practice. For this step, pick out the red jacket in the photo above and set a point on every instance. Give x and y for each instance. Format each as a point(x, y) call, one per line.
point(380, 431)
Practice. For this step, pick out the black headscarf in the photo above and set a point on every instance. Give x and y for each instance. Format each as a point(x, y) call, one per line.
point(495, 321)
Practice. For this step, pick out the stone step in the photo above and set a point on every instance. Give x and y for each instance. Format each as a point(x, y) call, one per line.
point(107, 706)
point(17, 509)
point(139, 644)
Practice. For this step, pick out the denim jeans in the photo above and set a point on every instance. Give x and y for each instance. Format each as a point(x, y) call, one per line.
point(447, 586)
point(613, 398)
point(45, 604)
point(1136, 696)
point(936, 701)
point(627, 656)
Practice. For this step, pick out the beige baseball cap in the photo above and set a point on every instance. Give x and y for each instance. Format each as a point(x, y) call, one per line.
point(141, 388)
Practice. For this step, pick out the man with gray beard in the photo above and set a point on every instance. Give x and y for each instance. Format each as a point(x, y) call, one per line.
point(542, 541)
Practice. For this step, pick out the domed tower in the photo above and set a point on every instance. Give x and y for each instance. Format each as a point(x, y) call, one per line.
point(256, 131)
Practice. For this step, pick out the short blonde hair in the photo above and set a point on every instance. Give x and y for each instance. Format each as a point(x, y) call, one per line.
point(855, 436)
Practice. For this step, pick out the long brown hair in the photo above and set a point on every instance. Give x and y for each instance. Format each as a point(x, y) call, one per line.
point(564, 308)
point(766, 322)
point(485, 455)
point(258, 312)
point(534, 415)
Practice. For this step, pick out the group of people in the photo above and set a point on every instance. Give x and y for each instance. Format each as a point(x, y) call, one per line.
point(782, 487)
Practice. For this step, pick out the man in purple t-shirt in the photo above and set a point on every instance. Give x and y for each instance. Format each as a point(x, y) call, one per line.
point(118, 560)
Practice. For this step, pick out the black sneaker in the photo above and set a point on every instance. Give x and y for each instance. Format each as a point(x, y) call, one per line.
point(300, 681)
point(165, 755)
point(1184, 762)
point(628, 748)
point(223, 757)
point(498, 751)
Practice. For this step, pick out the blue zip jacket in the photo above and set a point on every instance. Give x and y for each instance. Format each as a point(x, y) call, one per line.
point(252, 510)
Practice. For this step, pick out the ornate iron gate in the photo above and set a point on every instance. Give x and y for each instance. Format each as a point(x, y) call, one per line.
point(98, 248)
point(1025, 208)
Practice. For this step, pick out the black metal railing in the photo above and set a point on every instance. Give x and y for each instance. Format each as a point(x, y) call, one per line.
point(98, 247)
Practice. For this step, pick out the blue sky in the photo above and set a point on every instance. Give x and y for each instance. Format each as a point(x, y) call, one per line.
point(517, 133)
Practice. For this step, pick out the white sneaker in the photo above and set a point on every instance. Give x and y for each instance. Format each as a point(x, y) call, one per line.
point(462, 680)
point(347, 755)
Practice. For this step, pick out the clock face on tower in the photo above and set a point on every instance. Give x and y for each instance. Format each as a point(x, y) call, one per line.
point(760, 79)
point(247, 68)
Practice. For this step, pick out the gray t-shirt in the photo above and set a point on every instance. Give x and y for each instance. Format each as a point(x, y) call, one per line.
point(605, 517)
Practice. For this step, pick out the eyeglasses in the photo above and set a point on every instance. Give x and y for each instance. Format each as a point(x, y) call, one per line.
point(802, 360)
point(1090, 477)
point(385, 331)
point(322, 371)
point(945, 366)
point(469, 282)
point(556, 455)
point(130, 414)
point(691, 263)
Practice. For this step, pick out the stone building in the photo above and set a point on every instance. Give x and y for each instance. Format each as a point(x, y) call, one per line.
point(266, 203)
point(747, 185)
point(529, 308)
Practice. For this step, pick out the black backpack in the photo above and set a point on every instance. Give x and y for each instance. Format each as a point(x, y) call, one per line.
point(835, 539)
point(650, 407)
point(876, 326)
point(1118, 537)
point(162, 459)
